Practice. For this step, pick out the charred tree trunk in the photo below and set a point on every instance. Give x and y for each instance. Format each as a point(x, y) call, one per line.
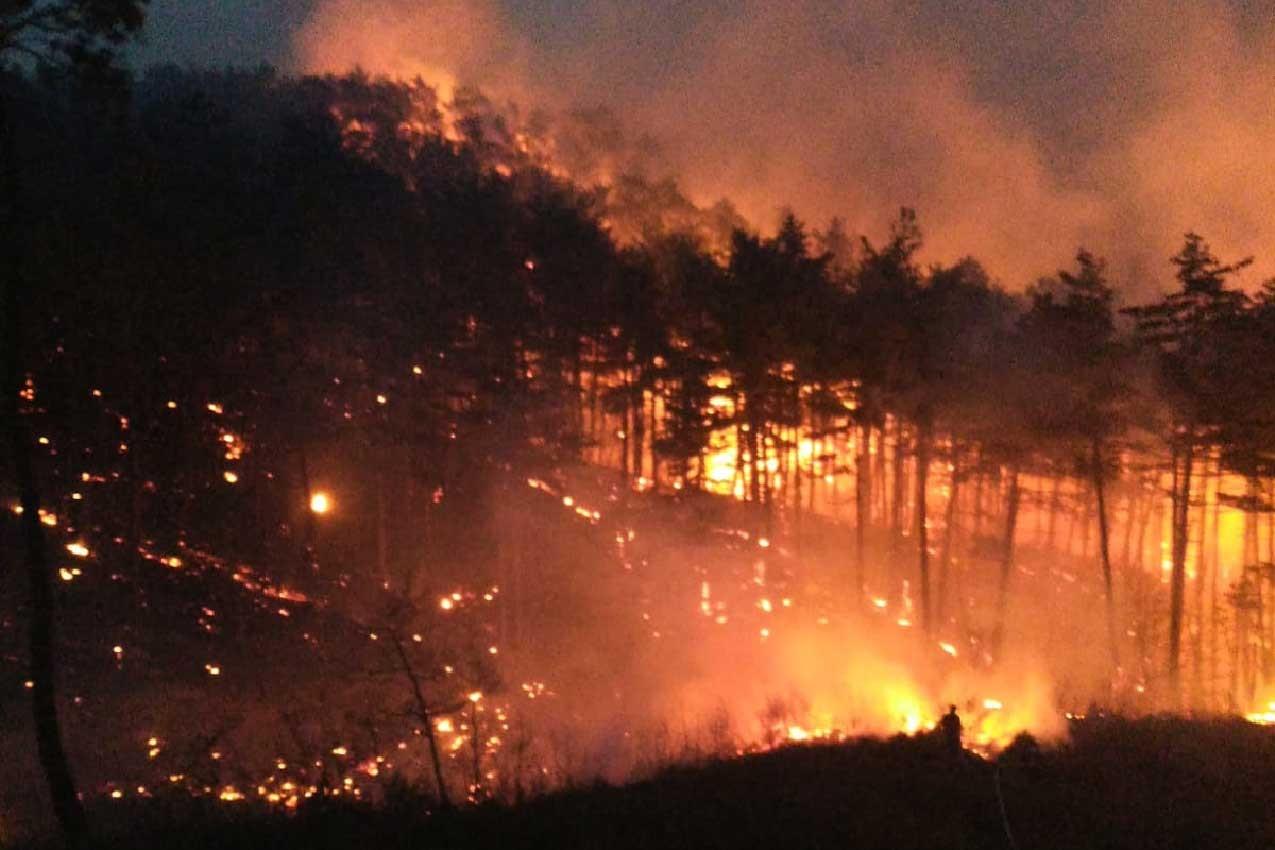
point(48, 729)
point(922, 536)
point(1180, 529)
point(978, 504)
point(1130, 511)
point(1201, 572)
point(880, 499)
point(949, 529)
point(1213, 587)
point(862, 504)
point(897, 483)
point(1099, 473)
point(1007, 558)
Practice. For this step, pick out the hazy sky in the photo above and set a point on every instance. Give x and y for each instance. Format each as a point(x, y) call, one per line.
point(1019, 129)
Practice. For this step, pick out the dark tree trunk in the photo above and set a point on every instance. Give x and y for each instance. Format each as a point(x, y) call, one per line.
point(1181, 519)
point(922, 533)
point(1130, 511)
point(863, 505)
point(1054, 502)
point(1007, 559)
point(897, 484)
point(1099, 473)
point(48, 730)
point(1213, 612)
point(1201, 572)
point(949, 530)
point(978, 505)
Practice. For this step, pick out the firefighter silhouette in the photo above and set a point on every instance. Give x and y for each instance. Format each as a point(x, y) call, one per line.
point(950, 728)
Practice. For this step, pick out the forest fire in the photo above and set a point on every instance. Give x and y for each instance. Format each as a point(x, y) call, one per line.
point(413, 465)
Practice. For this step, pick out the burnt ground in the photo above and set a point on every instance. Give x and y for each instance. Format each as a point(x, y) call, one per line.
point(1154, 783)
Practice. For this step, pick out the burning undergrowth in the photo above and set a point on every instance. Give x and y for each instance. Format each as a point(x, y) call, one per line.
point(611, 644)
point(464, 494)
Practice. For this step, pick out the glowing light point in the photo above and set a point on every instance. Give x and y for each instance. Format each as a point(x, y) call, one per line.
point(231, 477)
point(79, 550)
point(446, 603)
point(382, 399)
point(320, 503)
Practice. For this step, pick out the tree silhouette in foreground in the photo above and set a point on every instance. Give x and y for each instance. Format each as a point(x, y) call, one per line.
point(77, 37)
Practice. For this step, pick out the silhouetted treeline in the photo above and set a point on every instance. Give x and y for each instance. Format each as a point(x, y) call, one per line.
point(349, 258)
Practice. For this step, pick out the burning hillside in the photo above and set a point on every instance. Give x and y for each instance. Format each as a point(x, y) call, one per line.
point(363, 453)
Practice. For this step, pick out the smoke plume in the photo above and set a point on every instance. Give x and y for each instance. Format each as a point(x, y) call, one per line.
point(1018, 131)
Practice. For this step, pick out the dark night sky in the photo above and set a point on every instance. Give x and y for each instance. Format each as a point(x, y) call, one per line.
point(1019, 129)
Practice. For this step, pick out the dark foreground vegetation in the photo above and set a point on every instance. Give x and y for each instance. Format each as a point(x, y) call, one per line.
point(1155, 782)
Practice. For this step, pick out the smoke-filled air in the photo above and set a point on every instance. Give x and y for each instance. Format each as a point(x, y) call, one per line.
point(1019, 131)
point(586, 423)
